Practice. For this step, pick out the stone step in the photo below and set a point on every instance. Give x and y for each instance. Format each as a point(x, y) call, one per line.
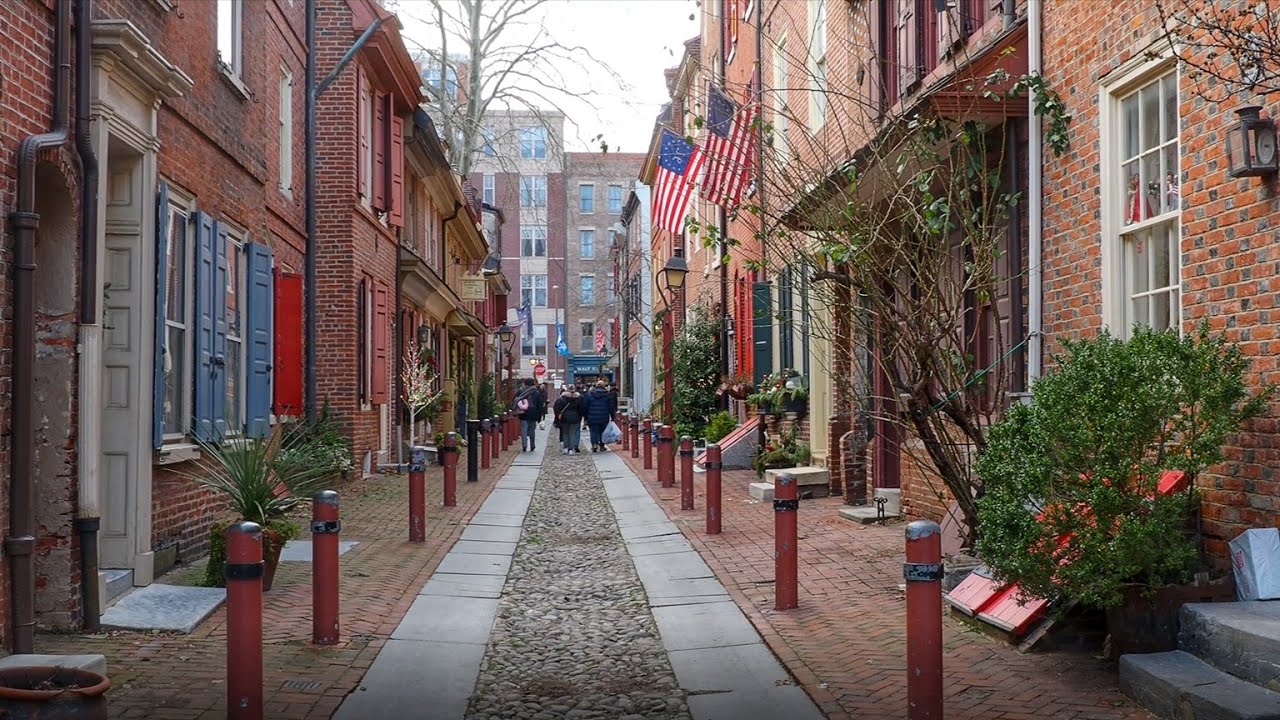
point(761, 491)
point(1180, 685)
point(115, 582)
point(1242, 638)
point(803, 475)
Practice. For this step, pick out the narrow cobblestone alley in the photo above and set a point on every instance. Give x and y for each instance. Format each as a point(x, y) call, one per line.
point(574, 636)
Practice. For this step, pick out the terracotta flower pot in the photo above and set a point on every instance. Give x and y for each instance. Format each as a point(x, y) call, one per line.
point(53, 693)
point(272, 545)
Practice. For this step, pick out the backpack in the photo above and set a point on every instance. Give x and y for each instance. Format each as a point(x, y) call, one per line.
point(522, 404)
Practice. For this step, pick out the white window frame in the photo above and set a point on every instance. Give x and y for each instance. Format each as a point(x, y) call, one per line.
point(818, 69)
point(587, 232)
point(490, 190)
point(488, 141)
point(536, 345)
point(285, 138)
point(533, 143)
point(229, 37)
point(534, 284)
point(235, 411)
point(587, 336)
point(609, 198)
point(533, 191)
point(584, 209)
point(1127, 79)
point(533, 234)
point(182, 205)
point(611, 291)
point(584, 280)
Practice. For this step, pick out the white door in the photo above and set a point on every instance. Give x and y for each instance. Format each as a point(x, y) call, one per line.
point(121, 462)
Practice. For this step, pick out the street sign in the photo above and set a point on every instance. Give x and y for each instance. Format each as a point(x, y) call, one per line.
point(539, 369)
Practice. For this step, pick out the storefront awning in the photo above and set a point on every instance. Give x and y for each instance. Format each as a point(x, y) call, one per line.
point(464, 324)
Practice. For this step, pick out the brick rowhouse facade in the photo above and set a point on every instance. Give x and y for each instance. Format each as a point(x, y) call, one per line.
point(1222, 258)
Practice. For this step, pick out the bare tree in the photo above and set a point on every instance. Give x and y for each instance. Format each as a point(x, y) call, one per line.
point(1229, 47)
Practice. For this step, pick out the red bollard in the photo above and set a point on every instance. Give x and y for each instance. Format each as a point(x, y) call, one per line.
point(635, 437)
point(450, 451)
point(923, 572)
point(713, 489)
point(243, 571)
point(646, 437)
point(502, 432)
point(686, 473)
point(495, 426)
point(786, 505)
point(667, 456)
point(486, 438)
point(325, 527)
point(625, 422)
point(418, 494)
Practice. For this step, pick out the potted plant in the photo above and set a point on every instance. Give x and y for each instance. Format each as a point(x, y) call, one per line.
point(781, 451)
point(1078, 499)
point(738, 387)
point(780, 392)
point(263, 479)
point(51, 691)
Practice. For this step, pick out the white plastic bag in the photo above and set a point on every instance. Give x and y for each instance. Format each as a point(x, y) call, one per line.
point(612, 434)
point(1255, 558)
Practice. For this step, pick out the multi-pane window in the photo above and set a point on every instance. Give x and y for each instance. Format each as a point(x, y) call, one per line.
point(588, 342)
point(229, 35)
point(533, 191)
point(533, 290)
point(533, 143)
point(612, 289)
point(587, 289)
point(1150, 234)
point(587, 243)
point(615, 199)
point(533, 241)
point(818, 62)
point(490, 192)
point(176, 314)
point(586, 198)
point(285, 138)
point(535, 344)
point(782, 117)
point(489, 141)
point(235, 343)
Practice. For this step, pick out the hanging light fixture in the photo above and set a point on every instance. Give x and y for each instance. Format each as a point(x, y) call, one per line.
point(1251, 145)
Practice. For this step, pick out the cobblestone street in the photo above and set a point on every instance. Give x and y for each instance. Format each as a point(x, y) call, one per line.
point(574, 637)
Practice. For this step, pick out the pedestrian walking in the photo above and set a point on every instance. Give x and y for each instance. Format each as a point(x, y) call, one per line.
point(599, 405)
point(568, 418)
point(531, 408)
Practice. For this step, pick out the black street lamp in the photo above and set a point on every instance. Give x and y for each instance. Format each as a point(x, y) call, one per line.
point(673, 276)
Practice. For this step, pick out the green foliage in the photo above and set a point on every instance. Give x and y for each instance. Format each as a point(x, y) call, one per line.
point(781, 450)
point(1087, 454)
point(280, 531)
point(773, 394)
point(488, 405)
point(696, 367)
point(720, 425)
point(321, 438)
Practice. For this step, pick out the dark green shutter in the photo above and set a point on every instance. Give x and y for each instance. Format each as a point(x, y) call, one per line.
point(762, 330)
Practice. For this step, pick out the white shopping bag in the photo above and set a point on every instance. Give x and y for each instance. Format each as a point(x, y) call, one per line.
point(1255, 558)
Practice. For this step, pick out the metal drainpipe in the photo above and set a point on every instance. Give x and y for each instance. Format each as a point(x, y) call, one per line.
point(20, 542)
point(309, 262)
point(1035, 180)
point(1010, 12)
point(87, 520)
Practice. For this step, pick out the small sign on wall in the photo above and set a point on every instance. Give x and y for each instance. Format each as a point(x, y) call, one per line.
point(473, 288)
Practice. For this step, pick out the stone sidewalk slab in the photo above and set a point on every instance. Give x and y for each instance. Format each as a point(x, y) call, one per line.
point(464, 586)
point(706, 625)
point(474, 564)
point(448, 619)
point(648, 530)
point(485, 547)
point(416, 678)
point(491, 533)
point(300, 550)
point(785, 701)
point(513, 521)
point(163, 607)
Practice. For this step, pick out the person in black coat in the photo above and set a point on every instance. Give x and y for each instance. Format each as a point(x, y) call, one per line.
point(599, 406)
point(568, 417)
point(531, 408)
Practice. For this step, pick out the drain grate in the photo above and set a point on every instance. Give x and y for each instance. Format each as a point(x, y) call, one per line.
point(301, 684)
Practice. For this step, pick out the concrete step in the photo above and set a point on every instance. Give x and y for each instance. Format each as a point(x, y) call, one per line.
point(803, 475)
point(869, 513)
point(115, 582)
point(1242, 638)
point(1180, 685)
point(761, 491)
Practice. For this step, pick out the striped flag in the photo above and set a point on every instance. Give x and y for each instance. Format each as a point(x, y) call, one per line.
point(730, 149)
point(679, 164)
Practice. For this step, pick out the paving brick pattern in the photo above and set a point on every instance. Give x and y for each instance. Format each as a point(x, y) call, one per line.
point(845, 644)
point(180, 677)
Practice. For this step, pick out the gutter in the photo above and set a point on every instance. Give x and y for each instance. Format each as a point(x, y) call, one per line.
point(20, 542)
point(87, 519)
point(1035, 200)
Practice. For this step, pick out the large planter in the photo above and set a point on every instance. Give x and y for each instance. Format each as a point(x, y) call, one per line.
point(799, 406)
point(1147, 620)
point(272, 545)
point(52, 693)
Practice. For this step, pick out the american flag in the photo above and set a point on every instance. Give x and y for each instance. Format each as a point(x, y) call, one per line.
point(730, 149)
point(600, 343)
point(679, 164)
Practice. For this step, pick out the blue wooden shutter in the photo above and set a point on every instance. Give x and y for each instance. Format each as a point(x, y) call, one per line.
point(206, 295)
point(219, 306)
point(257, 338)
point(157, 360)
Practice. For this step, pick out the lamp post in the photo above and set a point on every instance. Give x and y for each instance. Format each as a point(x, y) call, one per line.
point(673, 277)
point(506, 343)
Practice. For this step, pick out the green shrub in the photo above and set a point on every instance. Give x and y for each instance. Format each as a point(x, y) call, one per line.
point(696, 355)
point(1086, 456)
point(720, 425)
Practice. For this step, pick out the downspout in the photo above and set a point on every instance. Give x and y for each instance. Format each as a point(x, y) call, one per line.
point(309, 262)
point(87, 519)
point(20, 542)
point(1009, 9)
point(1035, 168)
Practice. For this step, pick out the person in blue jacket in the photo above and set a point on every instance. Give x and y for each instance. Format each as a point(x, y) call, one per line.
point(599, 406)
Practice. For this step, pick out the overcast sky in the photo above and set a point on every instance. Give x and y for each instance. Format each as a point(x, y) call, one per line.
point(638, 39)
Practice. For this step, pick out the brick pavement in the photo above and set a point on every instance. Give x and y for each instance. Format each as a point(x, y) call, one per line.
point(845, 644)
point(182, 677)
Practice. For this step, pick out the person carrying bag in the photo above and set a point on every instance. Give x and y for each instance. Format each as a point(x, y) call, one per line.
point(530, 408)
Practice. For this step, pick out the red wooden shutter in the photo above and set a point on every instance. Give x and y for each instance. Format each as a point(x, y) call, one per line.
point(500, 308)
point(950, 27)
point(908, 46)
point(287, 365)
point(362, 132)
point(378, 393)
point(396, 184)
point(380, 151)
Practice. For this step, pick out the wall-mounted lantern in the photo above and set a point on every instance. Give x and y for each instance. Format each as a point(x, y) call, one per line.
point(1251, 145)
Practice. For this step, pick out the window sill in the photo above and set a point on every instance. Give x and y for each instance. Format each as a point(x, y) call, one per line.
point(234, 81)
point(177, 452)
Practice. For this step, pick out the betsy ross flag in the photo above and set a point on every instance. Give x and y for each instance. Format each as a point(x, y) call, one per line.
point(525, 315)
point(730, 149)
point(679, 163)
